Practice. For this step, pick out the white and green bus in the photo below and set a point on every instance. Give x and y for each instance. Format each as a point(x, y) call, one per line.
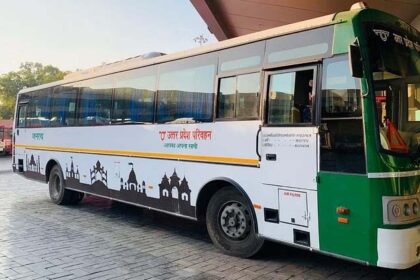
point(306, 134)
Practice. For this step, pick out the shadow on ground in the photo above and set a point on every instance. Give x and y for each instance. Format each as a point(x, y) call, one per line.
point(273, 252)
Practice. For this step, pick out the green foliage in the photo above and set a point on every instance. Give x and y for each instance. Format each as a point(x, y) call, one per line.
point(29, 74)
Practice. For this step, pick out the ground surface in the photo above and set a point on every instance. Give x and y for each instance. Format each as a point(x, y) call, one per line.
point(103, 240)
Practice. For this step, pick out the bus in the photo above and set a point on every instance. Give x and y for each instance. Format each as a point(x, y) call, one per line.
point(5, 140)
point(306, 134)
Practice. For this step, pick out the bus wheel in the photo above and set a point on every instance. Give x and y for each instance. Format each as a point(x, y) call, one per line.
point(58, 194)
point(231, 225)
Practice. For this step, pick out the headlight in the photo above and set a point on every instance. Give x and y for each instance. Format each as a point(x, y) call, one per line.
point(415, 208)
point(401, 209)
point(396, 211)
point(407, 210)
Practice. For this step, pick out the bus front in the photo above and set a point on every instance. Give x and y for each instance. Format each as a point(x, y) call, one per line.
point(391, 70)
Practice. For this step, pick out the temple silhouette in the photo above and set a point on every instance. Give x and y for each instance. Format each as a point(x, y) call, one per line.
point(33, 168)
point(72, 176)
point(174, 193)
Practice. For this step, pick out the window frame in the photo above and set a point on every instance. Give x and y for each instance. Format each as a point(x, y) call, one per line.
point(45, 92)
point(241, 52)
point(322, 80)
point(404, 102)
point(19, 107)
point(80, 87)
point(315, 87)
point(235, 75)
point(299, 39)
point(150, 70)
point(54, 91)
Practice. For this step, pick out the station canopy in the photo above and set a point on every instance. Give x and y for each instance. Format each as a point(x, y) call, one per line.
point(231, 18)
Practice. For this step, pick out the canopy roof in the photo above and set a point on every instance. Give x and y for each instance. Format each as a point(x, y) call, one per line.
point(232, 18)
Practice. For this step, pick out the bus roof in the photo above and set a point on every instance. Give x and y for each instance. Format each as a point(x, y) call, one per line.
point(139, 61)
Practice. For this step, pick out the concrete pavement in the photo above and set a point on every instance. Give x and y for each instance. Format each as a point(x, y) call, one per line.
point(99, 239)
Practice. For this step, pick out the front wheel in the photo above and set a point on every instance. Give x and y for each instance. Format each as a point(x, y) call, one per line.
point(231, 224)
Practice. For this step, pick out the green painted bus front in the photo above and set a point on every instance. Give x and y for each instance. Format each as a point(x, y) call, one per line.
point(362, 195)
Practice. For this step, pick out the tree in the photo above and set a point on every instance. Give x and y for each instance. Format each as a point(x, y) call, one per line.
point(29, 74)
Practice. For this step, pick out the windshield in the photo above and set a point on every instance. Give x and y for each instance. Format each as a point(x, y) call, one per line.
point(395, 64)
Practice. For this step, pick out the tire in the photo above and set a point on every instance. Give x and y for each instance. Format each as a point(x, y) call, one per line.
point(231, 224)
point(58, 193)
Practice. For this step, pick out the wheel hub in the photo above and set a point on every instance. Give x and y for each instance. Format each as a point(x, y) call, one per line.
point(234, 220)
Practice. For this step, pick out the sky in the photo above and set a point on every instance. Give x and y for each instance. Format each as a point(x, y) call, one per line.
point(78, 34)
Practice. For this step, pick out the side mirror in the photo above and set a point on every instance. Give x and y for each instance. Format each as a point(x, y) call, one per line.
point(355, 59)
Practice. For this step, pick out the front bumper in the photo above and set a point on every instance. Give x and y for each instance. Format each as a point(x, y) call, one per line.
point(398, 248)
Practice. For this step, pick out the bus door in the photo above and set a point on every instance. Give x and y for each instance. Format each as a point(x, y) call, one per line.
point(288, 140)
point(19, 135)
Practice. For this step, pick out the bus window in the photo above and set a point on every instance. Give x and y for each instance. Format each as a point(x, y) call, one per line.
point(340, 93)
point(63, 109)
point(342, 144)
point(290, 97)
point(398, 110)
point(95, 102)
point(301, 46)
point(243, 57)
point(226, 98)
point(21, 115)
point(247, 99)
point(38, 114)
point(134, 96)
point(413, 98)
point(186, 90)
point(238, 97)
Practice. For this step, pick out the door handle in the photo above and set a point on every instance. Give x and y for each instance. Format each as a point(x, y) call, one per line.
point(271, 157)
point(257, 146)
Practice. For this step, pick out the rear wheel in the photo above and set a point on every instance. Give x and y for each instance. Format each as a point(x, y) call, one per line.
point(231, 224)
point(58, 193)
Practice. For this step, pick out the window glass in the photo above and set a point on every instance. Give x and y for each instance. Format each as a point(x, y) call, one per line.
point(63, 106)
point(21, 115)
point(238, 97)
point(95, 101)
point(290, 97)
point(342, 143)
point(340, 91)
point(186, 90)
point(38, 114)
point(285, 55)
point(394, 63)
point(241, 57)
point(134, 98)
point(398, 113)
point(413, 96)
point(248, 87)
point(280, 96)
point(227, 98)
point(307, 45)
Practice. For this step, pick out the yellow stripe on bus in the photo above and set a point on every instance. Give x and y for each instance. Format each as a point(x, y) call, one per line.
point(185, 157)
